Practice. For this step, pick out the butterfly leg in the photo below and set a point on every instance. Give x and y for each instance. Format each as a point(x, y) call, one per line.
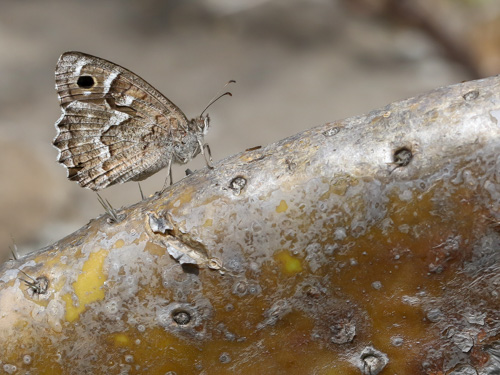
point(205, 150)
point(140, 189)
point(168, 178)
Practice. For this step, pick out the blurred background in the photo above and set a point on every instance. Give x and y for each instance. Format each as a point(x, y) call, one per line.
point(297, 63)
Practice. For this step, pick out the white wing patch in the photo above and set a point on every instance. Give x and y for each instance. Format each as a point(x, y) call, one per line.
point(109, 80)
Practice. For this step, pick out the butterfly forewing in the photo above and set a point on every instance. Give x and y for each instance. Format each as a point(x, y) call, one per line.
point(114, 127)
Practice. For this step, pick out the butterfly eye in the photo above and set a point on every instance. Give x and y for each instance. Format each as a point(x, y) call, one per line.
point(85, 82)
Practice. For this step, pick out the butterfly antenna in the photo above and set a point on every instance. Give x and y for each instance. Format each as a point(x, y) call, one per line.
point(218, 96)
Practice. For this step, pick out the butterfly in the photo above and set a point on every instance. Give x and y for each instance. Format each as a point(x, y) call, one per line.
point(115, 127)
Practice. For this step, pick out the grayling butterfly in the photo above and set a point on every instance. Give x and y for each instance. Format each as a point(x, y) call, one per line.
point(116, 127)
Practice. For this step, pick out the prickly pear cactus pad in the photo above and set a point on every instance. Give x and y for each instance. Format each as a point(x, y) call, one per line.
point(364, 246)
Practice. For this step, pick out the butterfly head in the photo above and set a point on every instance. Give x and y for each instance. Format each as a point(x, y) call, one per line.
point(205, 124)
point(200, 125)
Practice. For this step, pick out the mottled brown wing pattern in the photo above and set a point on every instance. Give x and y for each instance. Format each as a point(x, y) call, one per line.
point(114, 126)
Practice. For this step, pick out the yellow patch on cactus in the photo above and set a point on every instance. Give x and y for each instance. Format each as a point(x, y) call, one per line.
point(282, 207)
point(121, 339)
point(289, 264)
point(119, 244)
point(88, 286)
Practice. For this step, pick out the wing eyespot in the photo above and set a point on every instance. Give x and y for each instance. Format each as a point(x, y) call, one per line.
point(85, 82)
